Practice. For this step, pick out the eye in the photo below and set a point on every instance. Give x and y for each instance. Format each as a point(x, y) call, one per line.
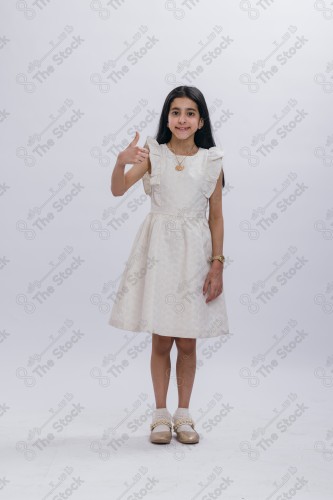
point(190, 113)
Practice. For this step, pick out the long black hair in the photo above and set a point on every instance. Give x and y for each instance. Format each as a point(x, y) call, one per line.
point(203, 137)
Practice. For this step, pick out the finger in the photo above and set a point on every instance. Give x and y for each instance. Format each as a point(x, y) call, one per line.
point(136, 138)
point(213, 294)
point(210, 295)
point(141, 157)
point(138, 159)
point(205, 287)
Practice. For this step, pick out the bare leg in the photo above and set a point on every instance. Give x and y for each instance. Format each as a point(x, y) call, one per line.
point(160, 365)
point(185, 369)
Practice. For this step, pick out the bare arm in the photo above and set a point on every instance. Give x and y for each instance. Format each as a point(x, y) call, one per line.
point(214, 279)
point(133, 154)
point(216, 222)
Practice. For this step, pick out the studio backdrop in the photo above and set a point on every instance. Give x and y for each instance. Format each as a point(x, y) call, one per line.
point(78, 79)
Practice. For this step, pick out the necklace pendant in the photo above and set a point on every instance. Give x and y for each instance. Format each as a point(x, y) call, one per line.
point(179, 167)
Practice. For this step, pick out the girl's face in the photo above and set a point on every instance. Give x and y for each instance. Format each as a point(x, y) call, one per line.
point(183, 118)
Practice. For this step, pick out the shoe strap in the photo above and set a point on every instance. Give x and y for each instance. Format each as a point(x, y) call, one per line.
point(183, 421)
point(161, 421)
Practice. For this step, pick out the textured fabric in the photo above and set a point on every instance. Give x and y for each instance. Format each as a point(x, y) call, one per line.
point(161, 413)
point(180, 413)
point(160, 290)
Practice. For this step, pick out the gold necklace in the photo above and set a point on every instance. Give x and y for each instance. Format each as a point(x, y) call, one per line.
point(179, 165)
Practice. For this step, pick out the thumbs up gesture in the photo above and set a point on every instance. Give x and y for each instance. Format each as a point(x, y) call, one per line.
point(133, 153)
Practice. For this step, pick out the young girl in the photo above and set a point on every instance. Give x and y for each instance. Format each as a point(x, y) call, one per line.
point(171, 288)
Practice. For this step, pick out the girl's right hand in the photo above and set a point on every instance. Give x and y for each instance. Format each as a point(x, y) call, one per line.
point(133, 153)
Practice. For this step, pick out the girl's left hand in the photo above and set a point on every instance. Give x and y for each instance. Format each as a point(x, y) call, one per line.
point(214, 280)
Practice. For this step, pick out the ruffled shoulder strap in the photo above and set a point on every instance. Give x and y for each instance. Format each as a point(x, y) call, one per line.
point(155, 156)
point(212, 171)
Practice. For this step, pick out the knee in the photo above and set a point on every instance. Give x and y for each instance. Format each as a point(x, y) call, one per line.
point(162, 344)
point(186, 346)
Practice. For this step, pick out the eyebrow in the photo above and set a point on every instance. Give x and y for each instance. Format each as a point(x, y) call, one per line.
point(189, 109)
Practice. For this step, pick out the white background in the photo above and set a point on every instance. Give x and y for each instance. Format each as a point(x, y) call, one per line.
point(77, 79)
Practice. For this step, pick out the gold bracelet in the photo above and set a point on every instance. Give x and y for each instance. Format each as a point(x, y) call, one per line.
point(221, 258)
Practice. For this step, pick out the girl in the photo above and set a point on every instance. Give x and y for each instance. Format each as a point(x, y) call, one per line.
point(176, 258)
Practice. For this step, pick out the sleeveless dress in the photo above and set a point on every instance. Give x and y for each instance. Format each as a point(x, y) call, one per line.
point(160, 290)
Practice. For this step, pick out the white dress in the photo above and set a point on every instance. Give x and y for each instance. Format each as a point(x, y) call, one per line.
point(160, 290)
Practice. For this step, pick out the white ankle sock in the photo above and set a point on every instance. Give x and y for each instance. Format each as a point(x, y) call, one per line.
point(180, 413)
point(161, 413)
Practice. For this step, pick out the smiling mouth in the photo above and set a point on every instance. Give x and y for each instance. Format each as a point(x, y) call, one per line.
point(183, 128)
